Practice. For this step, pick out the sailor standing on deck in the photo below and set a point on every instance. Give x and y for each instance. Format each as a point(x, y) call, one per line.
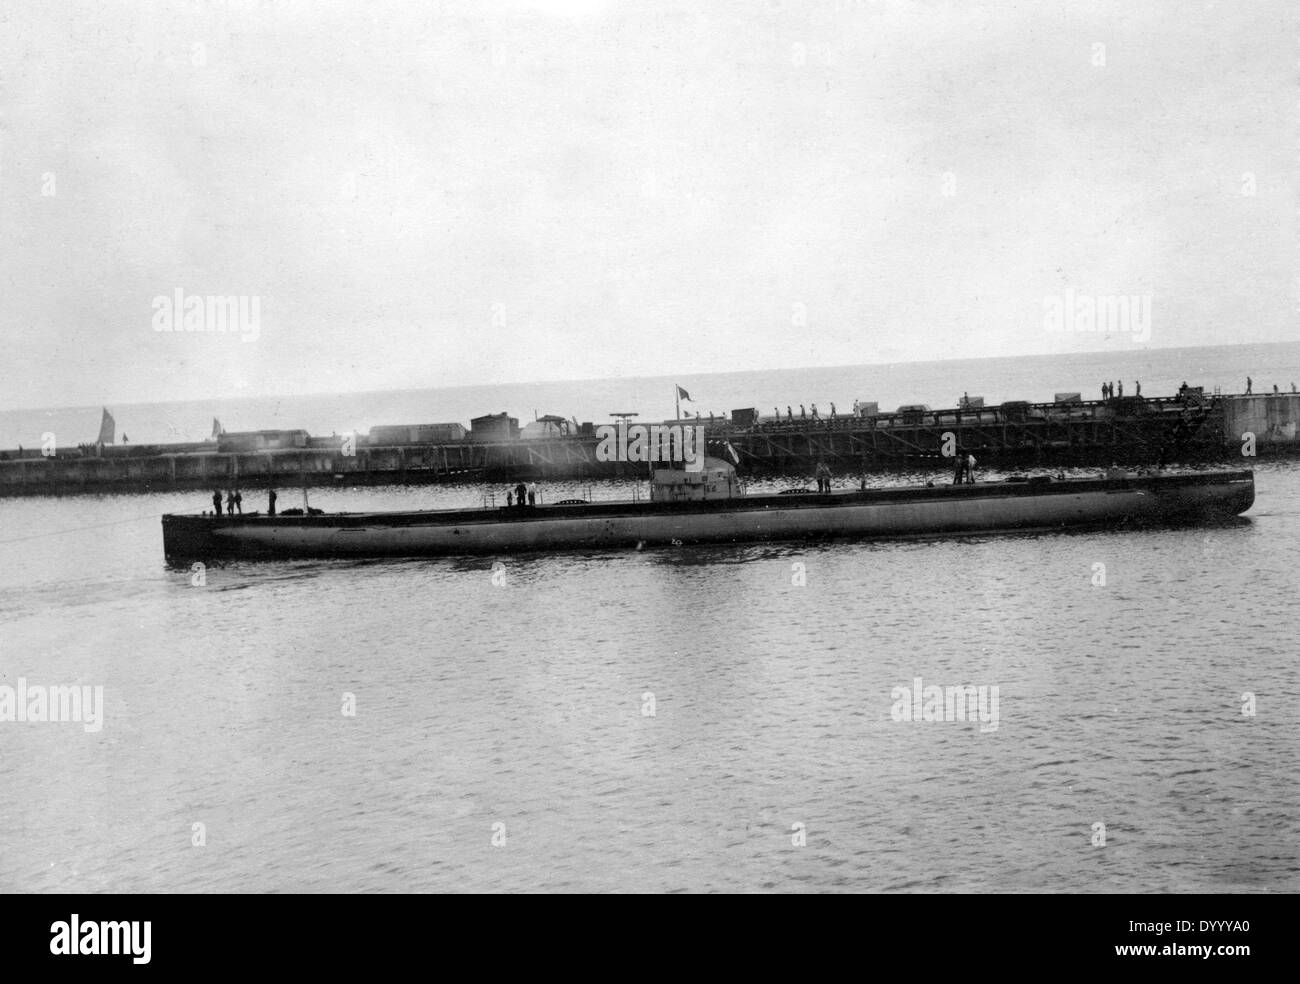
point(216, 502)
point(970, 469)
point(532, 493)
point(823, 477)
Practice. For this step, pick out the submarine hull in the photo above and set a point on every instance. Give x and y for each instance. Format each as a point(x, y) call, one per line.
point(982, 507)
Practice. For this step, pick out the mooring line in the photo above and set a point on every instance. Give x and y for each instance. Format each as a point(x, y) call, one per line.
point(98, 526)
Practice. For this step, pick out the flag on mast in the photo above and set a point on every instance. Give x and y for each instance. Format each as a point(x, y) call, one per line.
point(107, 428)
point(681, 395)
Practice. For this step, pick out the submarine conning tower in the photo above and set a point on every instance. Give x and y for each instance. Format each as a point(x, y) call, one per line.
point(716, 479)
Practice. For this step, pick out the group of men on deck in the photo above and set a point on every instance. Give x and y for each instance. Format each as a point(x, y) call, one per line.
point(964, 470)
point(235, 502)
point(522, 496)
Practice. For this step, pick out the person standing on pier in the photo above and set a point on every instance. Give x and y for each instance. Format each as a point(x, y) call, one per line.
point(1121, 389)
point(532, 493)
point(959, 472)
point(270, 503)
point(802, 413)
point(230, 503)
point(1137, 387)
point(789, 414)
point(814, 411)
point(216, 502)
point(239, 501)
point(521, 491)
point(510, 498)
point(970, 469)
point(1248, 386)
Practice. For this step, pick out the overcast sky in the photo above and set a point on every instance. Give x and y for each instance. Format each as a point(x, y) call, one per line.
point(444, 194)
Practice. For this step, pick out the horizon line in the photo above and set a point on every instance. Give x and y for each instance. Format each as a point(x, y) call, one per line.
point(104, 404)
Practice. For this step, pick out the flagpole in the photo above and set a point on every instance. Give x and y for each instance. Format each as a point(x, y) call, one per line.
point(677, 395)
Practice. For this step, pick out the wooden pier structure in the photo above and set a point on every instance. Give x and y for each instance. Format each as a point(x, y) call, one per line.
point(1127, 430)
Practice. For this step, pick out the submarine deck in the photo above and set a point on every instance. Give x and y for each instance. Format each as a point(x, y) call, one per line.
point(1030, 488)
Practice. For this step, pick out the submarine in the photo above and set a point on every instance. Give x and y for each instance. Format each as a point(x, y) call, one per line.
point(710, 505)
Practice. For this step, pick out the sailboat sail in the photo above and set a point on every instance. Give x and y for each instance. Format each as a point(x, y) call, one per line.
point(107, 428)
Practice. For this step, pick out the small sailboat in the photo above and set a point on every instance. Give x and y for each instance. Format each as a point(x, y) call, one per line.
point(107, 428)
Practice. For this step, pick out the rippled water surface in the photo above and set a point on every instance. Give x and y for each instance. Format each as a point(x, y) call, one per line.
point(519, 712)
